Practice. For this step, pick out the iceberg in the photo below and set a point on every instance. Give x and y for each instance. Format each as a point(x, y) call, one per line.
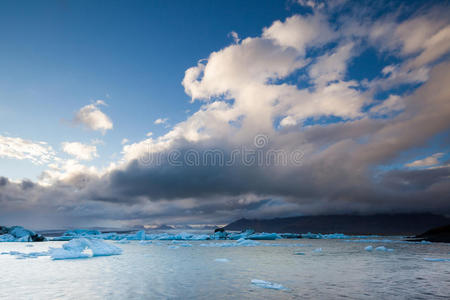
point(310, 235)
point(318, 250)
point(19, 234)
point(224, 260)
point(81, 232)
point(384, 249)
point(138, 236)
point(7, 238)
point(264, 236)
point(290, 235)
point(368, 248)
point(77, 248)
point(267, 284)
point(299, 253)
point(244, 234)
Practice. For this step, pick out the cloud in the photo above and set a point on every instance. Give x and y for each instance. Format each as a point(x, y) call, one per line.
point(125, 141)
point(427, 161)
point(80, 151)
point(300, 32)
point(234, 36)
point(17, 148)
point(161, 121)
point(93, 118)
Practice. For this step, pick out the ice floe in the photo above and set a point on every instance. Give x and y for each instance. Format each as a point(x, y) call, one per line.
point(77, 248)
point(224, 260)
point(369, 248)
point(383, 249)
point(318, 250)
point(267, 284)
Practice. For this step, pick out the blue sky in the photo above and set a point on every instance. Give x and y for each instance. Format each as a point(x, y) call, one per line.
point(323, 75)
point(59, 56)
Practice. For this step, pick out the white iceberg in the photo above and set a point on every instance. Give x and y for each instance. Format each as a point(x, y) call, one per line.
point(384, 249)
point(317, 250)
point(78, 248)
point(369, 248)
point(267, 284)
point(224, 260)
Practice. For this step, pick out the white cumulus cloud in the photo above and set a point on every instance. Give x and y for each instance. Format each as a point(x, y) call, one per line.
point(17, 148)
point(161, 121)
point(79, 150)
point(93, 118)
point(427, 161)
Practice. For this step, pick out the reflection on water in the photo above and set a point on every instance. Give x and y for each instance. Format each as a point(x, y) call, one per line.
point(154, 271)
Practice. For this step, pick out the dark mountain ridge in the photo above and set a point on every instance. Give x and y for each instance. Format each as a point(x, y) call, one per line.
point(379, 224)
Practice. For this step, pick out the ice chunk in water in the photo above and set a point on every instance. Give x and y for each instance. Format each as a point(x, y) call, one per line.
point(267, 284)
point(318, 250)
point(299, 253)
point(368, 248)
point(222, 260)
point(173, 247)
point(383, 248)
point(76, 248)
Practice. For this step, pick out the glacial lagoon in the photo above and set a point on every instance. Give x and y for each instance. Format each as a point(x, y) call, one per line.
point(320, 268)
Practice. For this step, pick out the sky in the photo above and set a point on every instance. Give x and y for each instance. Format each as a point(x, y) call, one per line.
point(118, 113)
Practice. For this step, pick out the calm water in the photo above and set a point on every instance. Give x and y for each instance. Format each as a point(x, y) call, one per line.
point(341, 270)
